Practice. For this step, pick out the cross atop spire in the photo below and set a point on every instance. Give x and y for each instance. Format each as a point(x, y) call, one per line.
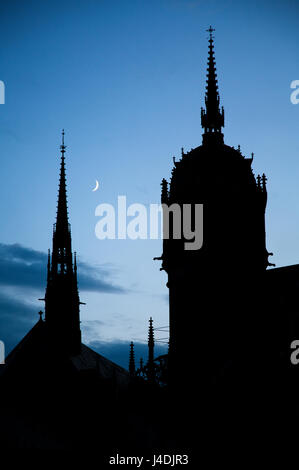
point(212, 119)
point(62, 146)
point(211, 30)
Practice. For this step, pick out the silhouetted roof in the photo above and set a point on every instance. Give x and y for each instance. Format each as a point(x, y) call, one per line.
point(35, 351)
point(284, 270)
point(89, 359)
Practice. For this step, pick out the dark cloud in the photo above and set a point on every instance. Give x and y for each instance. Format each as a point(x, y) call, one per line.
point(23, 270)
point(96, 279)
point(25, 267)
point(16, 319)
point(118, 351)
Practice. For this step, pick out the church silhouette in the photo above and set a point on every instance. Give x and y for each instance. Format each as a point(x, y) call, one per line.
point(231, 323)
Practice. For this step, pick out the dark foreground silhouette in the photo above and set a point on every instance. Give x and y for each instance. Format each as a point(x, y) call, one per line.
point(227, 379)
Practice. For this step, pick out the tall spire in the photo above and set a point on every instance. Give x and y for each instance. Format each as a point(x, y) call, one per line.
point(62, 214)
point(212, 119)
point(62, 242)
point(62, 297)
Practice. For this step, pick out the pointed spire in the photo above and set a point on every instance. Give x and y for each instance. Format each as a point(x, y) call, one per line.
point(62, 214)
point(62, 249)
point(212, 119)
point(151, 345)
point(62, 302)
point(132, 360)
point(151, 340)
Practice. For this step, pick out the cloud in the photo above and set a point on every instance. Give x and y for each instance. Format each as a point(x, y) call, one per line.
point(25, 267)
point(96, 279)
point(23, 270)
point(16, 319)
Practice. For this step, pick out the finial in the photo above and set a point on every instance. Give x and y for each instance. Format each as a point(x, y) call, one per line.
point(264, 181)
point(40, 315)
point(151, 344)
point(132, 360)
point(211, 30)
point(212, 117)
point(258, 181)
point(151, 340)
point(62, 146)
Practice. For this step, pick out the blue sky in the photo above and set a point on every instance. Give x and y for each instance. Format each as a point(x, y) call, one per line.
point(126, 80)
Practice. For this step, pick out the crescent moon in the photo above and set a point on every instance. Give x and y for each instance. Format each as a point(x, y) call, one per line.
point(97, 186)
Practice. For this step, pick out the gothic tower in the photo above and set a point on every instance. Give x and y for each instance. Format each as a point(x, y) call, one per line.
point(214, 290)
point(62, 298)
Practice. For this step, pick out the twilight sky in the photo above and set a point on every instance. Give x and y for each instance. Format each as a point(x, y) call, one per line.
point(126, 80)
